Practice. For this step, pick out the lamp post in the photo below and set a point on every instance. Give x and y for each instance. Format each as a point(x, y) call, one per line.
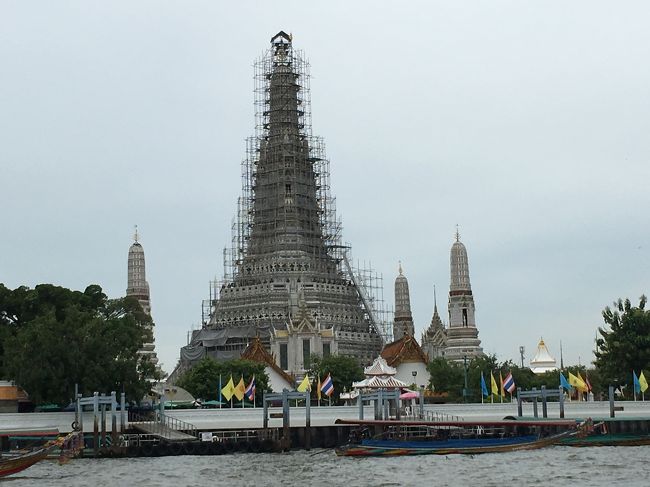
point(521, 352)
point(414, 374)
point(465, 372)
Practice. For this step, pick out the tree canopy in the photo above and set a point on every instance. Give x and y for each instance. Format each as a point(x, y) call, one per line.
point(624, 344)
point(202, 380)
point(52, 338)
point(343, 370)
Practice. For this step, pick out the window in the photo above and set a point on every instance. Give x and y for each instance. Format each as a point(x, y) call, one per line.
point(326, 350)
point(284, 361)
point(464, 316)
point(306, 352)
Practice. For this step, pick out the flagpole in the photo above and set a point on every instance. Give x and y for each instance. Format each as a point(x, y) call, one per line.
point(220, 391)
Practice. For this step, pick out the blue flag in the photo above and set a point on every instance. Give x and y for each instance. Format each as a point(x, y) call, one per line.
point(565, 383)
point(484, 386)
point(637, 384)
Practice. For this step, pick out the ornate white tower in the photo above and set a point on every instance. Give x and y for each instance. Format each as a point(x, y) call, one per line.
point(138, 287)
point(462, 335)
point(403, 322)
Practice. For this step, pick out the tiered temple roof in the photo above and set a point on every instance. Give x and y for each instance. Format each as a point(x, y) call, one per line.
point(406, 349)
point(255, 352)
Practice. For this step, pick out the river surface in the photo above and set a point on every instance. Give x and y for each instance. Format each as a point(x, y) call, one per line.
point(558, 466)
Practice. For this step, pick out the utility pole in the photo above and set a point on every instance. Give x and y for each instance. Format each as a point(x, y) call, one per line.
point(521, 352)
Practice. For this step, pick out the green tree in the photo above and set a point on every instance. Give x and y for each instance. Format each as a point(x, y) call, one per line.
point(343, 370)
point(54, 337)
point(202, 380)
point(624, 344)
point(446, 377)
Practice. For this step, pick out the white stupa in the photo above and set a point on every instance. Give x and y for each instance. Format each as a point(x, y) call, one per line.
point(542, 362)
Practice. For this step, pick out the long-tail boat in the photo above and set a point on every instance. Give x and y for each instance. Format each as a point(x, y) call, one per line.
point(453, 437)
point(18, 463)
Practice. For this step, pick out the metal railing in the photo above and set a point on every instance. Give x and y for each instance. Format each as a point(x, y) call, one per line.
point(163, 425)
point(436, 416)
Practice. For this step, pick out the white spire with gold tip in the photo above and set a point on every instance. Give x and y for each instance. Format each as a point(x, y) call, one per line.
point(542, 362)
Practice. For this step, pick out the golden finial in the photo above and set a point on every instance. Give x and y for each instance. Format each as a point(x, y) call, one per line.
point(400, 267)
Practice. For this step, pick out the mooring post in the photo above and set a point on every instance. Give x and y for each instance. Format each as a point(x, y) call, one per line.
point(360, 399)
point(386, 413)
point(80, 409)
point(266, 411)
point(122, 412)
point(103, 438)
point(519, 406)
point(286, 424)
point(379, 414)
point(561, 397)
point(76, 409)
point(535, 402)
point(421, 402)
point(307, 421)
point(611, 402)
point(544, 409)
point(114, 436)
point(95, 423)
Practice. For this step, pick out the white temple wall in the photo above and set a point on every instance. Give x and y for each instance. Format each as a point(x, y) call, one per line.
point(405, 373)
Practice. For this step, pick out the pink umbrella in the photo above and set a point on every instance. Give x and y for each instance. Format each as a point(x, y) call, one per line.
point(409, 395)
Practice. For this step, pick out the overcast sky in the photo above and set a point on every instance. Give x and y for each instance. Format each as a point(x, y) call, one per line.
point(526, 123)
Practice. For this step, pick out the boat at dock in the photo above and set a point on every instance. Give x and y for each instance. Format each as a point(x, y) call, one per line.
point(453, 437)
point(66, 447)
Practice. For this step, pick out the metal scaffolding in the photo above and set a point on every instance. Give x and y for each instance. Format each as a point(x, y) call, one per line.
point(290, 71)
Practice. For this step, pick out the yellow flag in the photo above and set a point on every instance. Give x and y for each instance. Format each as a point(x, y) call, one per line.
point(577, 382)
point(642, 382)
point(228, 390)
point(501, 382)
point(240, 389)
point(493, 384)
point(318, 388)
point(305, 385)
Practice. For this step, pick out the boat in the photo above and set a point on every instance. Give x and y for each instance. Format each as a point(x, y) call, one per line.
point(454, 437)
point(601, 435)
point(18, 463)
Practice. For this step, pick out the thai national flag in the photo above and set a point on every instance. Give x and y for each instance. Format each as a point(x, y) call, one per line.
point(509, 383)
point(327, 387)
point(250, 390)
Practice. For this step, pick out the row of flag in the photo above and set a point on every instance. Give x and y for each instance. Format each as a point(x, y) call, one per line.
point(239, 391)
point(640, 384)
point(575, 382)
point(507, 385)
point(326, 387)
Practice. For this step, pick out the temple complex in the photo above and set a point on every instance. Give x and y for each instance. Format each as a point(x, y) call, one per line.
point(138, 288)
point(542, 362)
point(287, 277)
point(403, 321)
point(462, 334)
